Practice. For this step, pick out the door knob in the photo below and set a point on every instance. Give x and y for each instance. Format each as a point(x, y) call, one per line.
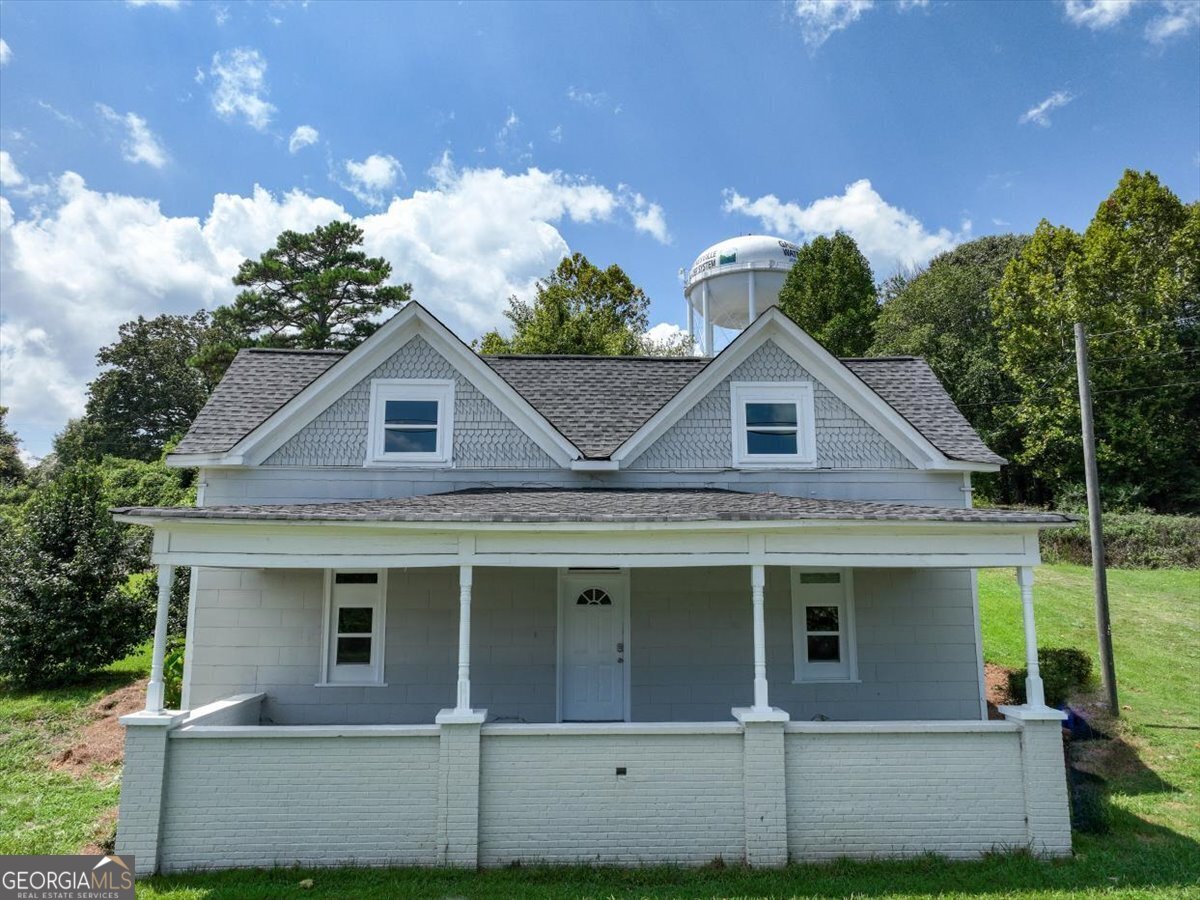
point(621, 647)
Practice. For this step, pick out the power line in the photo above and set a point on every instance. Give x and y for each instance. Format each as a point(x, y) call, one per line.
point(1182, 320)
point(1034, 396)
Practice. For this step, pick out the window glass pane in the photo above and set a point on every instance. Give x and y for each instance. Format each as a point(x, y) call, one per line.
point(771, 442)
point(354, 620)
point(353, 651)
point(771, 414)
point(821, 618)
point(593, 597)
point(820, 577)
point(419, 441)
point(411, 412)
point(356, 578)
point(824, 648)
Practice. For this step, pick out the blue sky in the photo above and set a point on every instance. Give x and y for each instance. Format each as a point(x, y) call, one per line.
point(148, 147)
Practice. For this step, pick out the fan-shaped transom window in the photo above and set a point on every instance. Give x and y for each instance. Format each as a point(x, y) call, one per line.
point(594, 597)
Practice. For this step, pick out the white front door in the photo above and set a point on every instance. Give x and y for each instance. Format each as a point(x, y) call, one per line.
point(593, 646)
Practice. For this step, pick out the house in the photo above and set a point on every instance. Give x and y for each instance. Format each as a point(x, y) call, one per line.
point(451, 609)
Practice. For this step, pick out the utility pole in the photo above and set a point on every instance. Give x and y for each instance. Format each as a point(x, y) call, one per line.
point(1099, 574)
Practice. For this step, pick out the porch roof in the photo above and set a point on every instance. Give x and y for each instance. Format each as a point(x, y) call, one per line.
point(533, 505)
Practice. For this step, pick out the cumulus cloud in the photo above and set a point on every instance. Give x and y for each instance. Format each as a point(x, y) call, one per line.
point(165, 4)
point(79, 264)
point(1040, 114)
point(303, 136)
point(374, 177)
point(241, 87)
point(141, 145)
point(820, 19)
point(1177, 18)
point(5, 52)
point(10, 175)
point(888, 236)
point(647, 217)
point(1097, 14)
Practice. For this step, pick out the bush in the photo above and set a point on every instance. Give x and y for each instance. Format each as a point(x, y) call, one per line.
point(63, 612)
point(173, 675)
point(1139, 540)
point(1065, 670)
point(145, 585)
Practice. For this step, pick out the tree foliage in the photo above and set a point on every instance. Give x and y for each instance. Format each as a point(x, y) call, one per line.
point(12, 469)
point(830, 293)
point(944, 314)
point(577, 309)
point(63, 612)
point(314, 291)
point(1133, 278)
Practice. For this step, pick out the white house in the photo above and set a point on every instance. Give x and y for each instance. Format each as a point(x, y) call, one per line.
point(464, 610)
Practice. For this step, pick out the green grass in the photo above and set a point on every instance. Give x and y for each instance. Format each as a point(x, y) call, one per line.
point(1153, 767)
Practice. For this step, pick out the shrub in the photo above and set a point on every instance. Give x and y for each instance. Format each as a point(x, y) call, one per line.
point(173, 675)
point(1138, 540)
point(145, 585)
point(1064, 671)
point(62, 566)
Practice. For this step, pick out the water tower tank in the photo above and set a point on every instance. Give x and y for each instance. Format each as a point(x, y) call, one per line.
point(732, 282)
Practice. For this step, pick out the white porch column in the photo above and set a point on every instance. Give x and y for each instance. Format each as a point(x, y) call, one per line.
point(154, 691)
point(758, 581)
point(465, 579)
point(1035, 695)
point(708, 326)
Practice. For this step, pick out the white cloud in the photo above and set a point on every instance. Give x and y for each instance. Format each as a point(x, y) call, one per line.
point(1097, 14)
point(10, 175)
point(141, 145)
point(906, 5)
point(165, 4)
point(241, 87)
point(5, 52)
point(819, 19)
point(594, 99)
point(1040, 113)
point(888, 236)
point(372, 178)
point(81, 263)
point(1178, 17)
point(303, 136)
point(647, 217)
point(556, 134)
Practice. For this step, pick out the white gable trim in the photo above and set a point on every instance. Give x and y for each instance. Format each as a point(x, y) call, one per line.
point(824, 367)
point(412, 320)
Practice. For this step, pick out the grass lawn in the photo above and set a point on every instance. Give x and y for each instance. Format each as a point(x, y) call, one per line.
point(1153, 768)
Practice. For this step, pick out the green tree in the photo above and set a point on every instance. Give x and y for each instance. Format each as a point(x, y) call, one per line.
point(146, 395)
point(313, 291)
point(63, 612)
point(1132, 279)
point(944, 314)
point(830, 293)
point(12, 469)
point(579, 309)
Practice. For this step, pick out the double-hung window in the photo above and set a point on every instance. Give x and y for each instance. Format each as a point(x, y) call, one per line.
point(411, 422)
point(354, 627)
point(773, 424)
point(823, 638)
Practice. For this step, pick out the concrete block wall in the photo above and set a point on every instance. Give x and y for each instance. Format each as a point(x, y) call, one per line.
point(875, 793)
point(271, 801)
point(559, 799)
point(1047, 806)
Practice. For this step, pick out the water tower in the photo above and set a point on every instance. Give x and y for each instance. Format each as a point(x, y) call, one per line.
point(732, 282)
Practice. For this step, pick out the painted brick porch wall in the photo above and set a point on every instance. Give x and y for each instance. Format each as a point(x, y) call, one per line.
point(558, 799)
point(880, 794)
point(691, 648)
point(300, 801)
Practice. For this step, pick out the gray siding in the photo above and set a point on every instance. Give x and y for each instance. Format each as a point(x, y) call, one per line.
point(690, 643)
point(483, 436)
point(703, 437)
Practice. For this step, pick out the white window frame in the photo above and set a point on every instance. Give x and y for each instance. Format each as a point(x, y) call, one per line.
point(798, 392)
point(385, 389)
point(847, 669)
point(371, 675)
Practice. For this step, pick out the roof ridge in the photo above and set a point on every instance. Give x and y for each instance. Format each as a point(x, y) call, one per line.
point(294, 351)
point(847, 359)
point(596, 356)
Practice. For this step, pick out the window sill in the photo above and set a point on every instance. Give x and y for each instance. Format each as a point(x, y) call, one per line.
point(408, 464)
point(774, 464)
point(350, 684)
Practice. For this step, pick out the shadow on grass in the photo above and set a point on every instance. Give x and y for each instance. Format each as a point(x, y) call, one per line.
point(1118, 763)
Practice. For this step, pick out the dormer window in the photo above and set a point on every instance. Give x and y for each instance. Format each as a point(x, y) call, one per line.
point(411, 422)
point(773, 424)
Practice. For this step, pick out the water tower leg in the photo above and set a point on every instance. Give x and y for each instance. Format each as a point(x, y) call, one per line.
point(708, 328)
point(753, 301)
point(691, 313)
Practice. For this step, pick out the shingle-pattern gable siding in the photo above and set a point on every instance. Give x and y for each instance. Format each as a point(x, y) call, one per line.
point(484, 438)
point(703, 437)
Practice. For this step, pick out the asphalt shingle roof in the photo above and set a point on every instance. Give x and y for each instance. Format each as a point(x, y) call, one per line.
point(596, 402)
point(598, 505)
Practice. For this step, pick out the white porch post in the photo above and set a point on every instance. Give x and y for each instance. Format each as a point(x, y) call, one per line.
point(1035, 695)
point(154, 691)
point(465, 578)
point(757, 582)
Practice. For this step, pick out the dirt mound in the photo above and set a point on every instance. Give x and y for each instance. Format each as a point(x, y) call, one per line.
point(101, 742)
point(995, 679)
